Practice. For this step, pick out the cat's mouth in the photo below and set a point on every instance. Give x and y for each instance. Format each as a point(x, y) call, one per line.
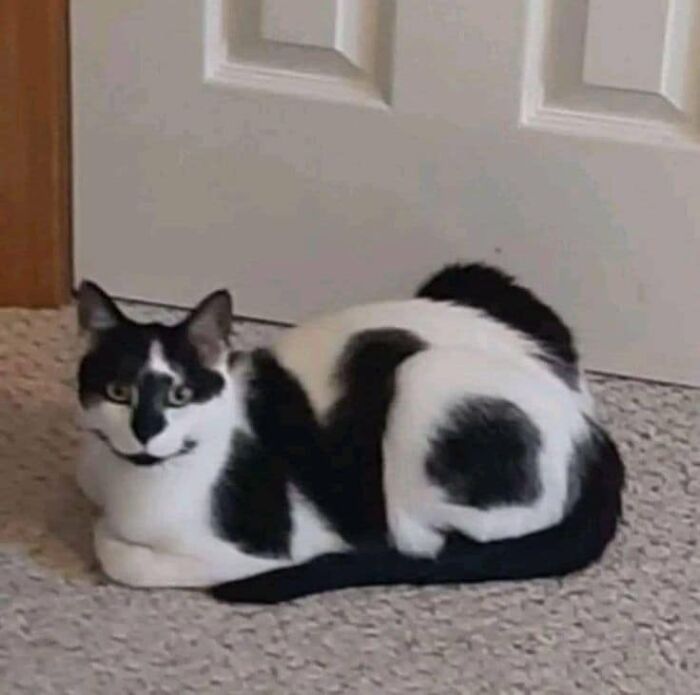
point(143, 459)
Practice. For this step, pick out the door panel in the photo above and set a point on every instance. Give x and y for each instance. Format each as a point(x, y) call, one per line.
point(314, 158)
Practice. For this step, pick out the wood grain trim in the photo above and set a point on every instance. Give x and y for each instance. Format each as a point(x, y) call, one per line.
point(34, 153)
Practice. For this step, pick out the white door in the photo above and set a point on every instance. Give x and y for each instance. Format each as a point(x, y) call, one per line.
point(315, 153)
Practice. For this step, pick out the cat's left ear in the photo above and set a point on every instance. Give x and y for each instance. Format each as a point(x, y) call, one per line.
point(97, 311)
point(209, 325)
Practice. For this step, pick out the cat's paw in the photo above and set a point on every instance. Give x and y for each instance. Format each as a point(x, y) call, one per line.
point(123, 562)
point(413, 537)
point(143, 566)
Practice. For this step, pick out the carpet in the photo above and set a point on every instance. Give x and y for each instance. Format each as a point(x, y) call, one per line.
point(629, 625)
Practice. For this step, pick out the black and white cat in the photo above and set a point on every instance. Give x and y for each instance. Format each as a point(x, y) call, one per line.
point(442, 439)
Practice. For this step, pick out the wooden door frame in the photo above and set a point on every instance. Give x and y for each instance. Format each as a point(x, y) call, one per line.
point(35, 233)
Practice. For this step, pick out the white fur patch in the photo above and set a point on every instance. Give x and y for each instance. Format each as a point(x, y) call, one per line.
point(158, 363)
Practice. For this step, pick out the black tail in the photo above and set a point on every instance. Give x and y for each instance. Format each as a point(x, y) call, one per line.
point(500, 296)
point(572, 545)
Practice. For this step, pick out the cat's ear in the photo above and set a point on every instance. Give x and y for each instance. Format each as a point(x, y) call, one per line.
point(209, 325)
point(96, 310)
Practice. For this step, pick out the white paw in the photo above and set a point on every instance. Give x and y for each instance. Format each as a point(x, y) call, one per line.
point(413, 537)
point(125, 563)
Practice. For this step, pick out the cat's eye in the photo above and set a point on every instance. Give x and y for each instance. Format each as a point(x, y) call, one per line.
point(119, 393)
point(179, 396)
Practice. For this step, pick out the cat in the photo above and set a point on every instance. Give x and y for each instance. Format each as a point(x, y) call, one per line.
point(447, 438)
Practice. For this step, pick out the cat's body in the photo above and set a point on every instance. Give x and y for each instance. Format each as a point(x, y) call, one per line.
point(445, 438)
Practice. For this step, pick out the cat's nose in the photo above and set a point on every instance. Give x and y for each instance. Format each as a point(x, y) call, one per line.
point(146, 424)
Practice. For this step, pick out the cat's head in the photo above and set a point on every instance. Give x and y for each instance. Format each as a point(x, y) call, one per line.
point(149, 391)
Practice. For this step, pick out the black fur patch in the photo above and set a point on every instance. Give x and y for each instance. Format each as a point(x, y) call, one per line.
point(486, 455)
point(251, 503)
point(354, 433)
point(251, 506)
point(498, 294)
point(577, 541)
point(337, 466)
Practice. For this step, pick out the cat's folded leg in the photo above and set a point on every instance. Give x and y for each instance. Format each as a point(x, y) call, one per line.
point(144, 566)
point(140, 565)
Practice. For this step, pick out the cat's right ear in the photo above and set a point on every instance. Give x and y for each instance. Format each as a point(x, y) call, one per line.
point(97, 311)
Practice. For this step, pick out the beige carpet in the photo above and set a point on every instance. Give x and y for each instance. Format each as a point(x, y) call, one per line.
point(630, 625)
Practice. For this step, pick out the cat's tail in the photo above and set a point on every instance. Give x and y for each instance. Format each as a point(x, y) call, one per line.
point(576, 542)
point(499, 295)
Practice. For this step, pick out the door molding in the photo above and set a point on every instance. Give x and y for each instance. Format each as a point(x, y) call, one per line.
point(35, 233)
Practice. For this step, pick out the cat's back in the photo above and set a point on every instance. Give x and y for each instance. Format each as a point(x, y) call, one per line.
point(316, 350)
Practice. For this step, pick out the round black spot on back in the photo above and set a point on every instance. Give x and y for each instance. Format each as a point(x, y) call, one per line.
point(485, 455)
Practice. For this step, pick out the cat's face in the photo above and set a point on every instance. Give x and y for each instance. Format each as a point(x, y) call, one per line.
point(147, 390)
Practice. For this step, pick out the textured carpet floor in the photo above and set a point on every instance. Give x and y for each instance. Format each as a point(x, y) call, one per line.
point(629, 625)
